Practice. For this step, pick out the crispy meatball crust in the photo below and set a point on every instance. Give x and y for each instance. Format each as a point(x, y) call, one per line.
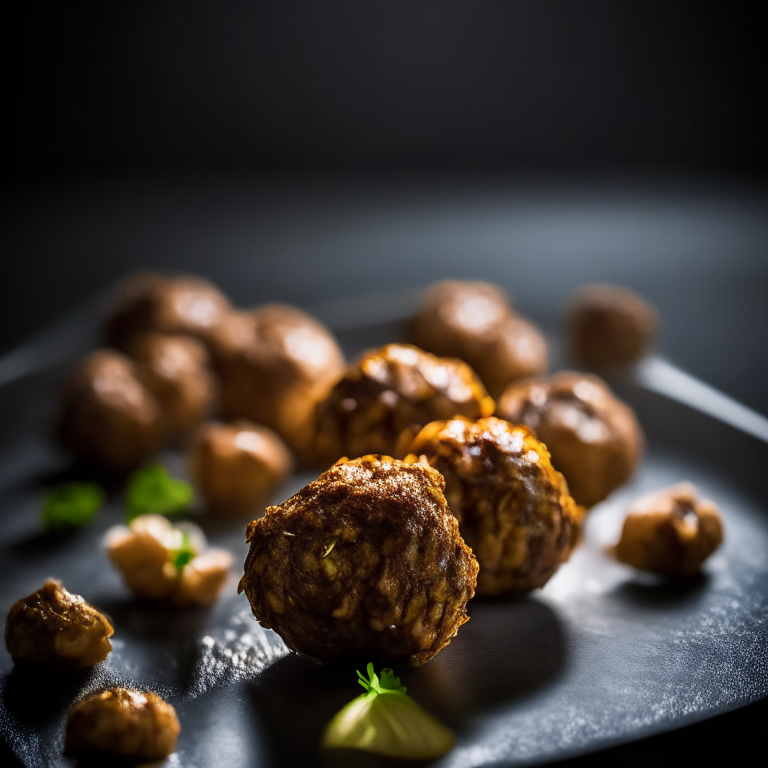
point(671, 531)
point(385, 398)
point(108, 415)
point(175, 369)
point(364, 563)
point(238, 466)
point(593, 437)
point(180, 304)
point(276, 364)
point(608, 325)
point(513, 508)
point(134, 724)
point(57, 629)
point(475, 322)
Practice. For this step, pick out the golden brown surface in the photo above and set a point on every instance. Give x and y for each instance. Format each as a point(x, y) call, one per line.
point(513, 508)
point(175, 369)
point(58, 629)
point(143, 553)
point(670, 531)
point(386, 397)
point(179, 304)
point(608, 325)
point(364, 564)
point(238, 466)
point(475, 322)
point(276, 363)
point(108, 414)
point(134, 724)
point(593, 437)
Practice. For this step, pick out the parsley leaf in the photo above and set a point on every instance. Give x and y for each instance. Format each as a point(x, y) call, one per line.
point(72, 505)
point(387, 721)
point(152, 491)
point(184, 554)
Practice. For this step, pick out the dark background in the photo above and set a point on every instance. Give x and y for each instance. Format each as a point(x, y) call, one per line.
point(311, 151)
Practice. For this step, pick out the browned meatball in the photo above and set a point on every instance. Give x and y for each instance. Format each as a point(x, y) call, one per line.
point(238, 466)
point(167, 563)
point(134, 724)
point(474, 321)
point(364, 563)
point(608, 325)
point(670, 531)
point(276, 363)
point(180, 304)
point(175, 369)
point(386, 397)
point(108, 414)
point(513, 508)
point(58, 629)
point(594, 438)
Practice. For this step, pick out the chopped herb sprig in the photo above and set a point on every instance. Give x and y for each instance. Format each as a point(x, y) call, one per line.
point(72, 505)
point(152, 491)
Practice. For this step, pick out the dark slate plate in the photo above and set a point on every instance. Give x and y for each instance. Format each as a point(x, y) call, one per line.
point(601, 656)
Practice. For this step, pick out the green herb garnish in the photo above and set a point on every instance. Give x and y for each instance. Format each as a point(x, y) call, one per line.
point(387, 721)
point(181, 556)
point(72, 505)
point(152, 491)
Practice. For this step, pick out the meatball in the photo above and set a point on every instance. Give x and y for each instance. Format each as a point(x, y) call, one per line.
point(58, 629)
point(385, 399)
point(238, 466)
point(364, 563)
point(276, 363)
point(133, 724)
point(671, 531)
point(179, 304)
point(513, 508)
point(109, 416)
point(167, 563)
point(175, 369)
point(475, 322)
point(594, 438)
point(608, 325)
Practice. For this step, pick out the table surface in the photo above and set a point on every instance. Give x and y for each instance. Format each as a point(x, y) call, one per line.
point(696, 253)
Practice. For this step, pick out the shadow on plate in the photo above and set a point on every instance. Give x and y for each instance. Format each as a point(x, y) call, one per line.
point(658, 592)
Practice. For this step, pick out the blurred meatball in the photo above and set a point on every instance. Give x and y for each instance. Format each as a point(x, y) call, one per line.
point(238, 466)
point(608, 325)
point(513, 508)
point(364, 563)
point(58, 629)
point(108, 414)
point(386, 397)
point(594, 438)
point(167, 563)
point(176, 370)
point(180, 304)
point(671, 531)
point(276, 363)
point(474, 321)
point(137, 725)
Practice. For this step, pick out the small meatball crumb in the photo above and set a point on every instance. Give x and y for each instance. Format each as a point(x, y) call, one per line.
point(147, 554)
point(389, 395)
point(671, 531)
point(364, 563)
point(108, 415)
point(593, 437)
point(513, 508)
point(608, 325)
point(137, 725)
point(276, 364)
point(180, 304)
point(58, 629)
point(475, 322)
point(238, 466)
point(175, 369)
